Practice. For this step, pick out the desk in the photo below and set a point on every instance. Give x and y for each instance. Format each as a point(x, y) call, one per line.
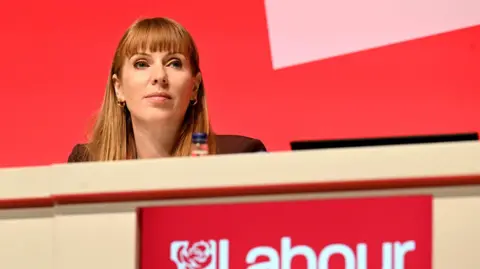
point(70, 216)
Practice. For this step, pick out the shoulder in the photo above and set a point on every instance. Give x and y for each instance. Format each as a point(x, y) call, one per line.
point(228, 144)
point(79, 153)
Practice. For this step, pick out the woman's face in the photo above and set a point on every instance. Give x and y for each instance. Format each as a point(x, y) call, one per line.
point(156, 86)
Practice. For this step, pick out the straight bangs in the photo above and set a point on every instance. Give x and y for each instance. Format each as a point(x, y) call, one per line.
point(158, 36)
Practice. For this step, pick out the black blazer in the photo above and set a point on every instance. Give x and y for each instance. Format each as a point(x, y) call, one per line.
point(226, 144)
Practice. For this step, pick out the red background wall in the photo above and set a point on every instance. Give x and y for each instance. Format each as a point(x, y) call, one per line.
point(56, 56)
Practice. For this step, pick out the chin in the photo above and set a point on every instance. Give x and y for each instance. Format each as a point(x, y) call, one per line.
point(155, 114)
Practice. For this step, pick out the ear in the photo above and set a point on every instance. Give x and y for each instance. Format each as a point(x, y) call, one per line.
point(118, 88)
point(197, 81)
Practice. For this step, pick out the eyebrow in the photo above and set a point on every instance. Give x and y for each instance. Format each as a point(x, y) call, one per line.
point(149, 55)
point(140, 54)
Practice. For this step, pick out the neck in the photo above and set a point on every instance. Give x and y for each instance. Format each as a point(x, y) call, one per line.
point(154, 142)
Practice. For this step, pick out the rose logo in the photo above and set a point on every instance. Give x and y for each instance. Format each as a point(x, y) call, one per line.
point(198, 256)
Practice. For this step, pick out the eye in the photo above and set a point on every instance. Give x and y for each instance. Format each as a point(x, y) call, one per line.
point(140, 64)
point(175, 63)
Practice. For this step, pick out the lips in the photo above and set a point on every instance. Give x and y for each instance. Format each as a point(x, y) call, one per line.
point(158, 95)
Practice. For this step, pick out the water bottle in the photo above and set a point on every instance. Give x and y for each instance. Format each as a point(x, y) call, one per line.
point(199, 144)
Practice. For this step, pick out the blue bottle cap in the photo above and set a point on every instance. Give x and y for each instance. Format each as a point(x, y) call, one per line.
point(199, 137)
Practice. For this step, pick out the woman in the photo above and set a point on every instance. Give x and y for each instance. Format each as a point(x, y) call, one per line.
point(155, 100)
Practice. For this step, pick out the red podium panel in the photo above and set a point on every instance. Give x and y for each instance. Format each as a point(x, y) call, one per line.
point(353, 233)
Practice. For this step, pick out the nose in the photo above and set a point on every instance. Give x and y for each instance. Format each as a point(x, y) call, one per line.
point(159, 76)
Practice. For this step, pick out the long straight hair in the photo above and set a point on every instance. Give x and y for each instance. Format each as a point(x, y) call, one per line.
point(112, 137)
